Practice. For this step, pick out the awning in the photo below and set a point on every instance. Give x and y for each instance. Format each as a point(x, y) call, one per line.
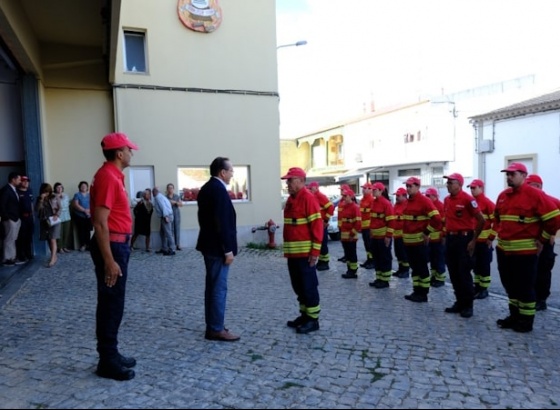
point(356, 174)
point(322, 180)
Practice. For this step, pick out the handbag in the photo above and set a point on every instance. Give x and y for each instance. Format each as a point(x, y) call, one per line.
point(53, 222)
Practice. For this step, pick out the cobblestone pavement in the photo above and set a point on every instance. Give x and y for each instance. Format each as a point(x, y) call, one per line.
point(374, 349)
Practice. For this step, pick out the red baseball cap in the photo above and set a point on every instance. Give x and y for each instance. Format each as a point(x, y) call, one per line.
point(344, 186)
point(401, 191)
point(117, 140)
point(294, 172)
point(25, 178)
point(456, 176)
point(313, 184)
point(367, 185)
point(476, 183)
point(378, 185)
point(413, 180)
point(431, 191)
point(533, 178)
point(348, 192)
point(515, 166)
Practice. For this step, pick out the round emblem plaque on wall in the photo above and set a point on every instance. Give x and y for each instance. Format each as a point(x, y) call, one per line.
point(204, 16)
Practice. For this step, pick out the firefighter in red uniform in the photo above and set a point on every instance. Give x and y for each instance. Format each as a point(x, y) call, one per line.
point(546, 257)
point(350, 228)
point(303, 235)
point(484, 247)
point(340, 206)
point(365, 209)
point(400, 252)
point(420, 219)
point(526, 219)
point(327, 210)
point(381, 234)
point(436, 246)
point(463, 224)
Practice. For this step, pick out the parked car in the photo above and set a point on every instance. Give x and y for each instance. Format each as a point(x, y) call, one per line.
point(332, 228)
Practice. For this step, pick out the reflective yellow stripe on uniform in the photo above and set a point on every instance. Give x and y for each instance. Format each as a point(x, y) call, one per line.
point(297, 247)
point(519, 219)
point(517, 245)
point(415, 217)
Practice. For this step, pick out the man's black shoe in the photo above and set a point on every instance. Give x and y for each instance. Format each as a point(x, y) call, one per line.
point(466, 312)
point(453, 309)
point(298, 321)
point(416, 297)
point(437, 283)
point(403, 274)
point(343, 259)
point(507, 323)
point(127, 362)
point(9, 262)
point(169, 253)
point(115, 371)
point(160, 251)
point(541, 305)
point(481, 294)
point(309, 326)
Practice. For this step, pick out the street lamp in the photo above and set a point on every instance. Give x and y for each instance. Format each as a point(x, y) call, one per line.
point(296, 44)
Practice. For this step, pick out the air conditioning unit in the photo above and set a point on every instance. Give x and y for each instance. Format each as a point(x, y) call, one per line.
point(486, 146)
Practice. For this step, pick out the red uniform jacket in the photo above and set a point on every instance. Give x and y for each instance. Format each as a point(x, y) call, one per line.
point(365, 208)
point(350, 219)
point(382, 223)
point(399, 221)
point(420, 217)
point(487, 208)
point(525, 214)
point(303, 227)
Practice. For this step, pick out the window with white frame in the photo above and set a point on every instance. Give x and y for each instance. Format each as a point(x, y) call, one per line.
point(134, 51)
point(191, 179)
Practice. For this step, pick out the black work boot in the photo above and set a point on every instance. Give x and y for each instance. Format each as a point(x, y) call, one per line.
point(298, 321)
point(511, 320)
point(524, 324)
point(322, 265)
point(311, 325)
point(350, 274)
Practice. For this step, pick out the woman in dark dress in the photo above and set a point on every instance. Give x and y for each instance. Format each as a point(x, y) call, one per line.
point(143, 218)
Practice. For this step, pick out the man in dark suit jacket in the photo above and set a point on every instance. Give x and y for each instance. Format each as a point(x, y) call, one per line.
point(217, 241)
point(9, 213)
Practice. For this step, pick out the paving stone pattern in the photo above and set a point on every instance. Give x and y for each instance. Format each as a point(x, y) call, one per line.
point(374, 349)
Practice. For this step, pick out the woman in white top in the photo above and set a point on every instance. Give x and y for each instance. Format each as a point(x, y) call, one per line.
point(66, 234)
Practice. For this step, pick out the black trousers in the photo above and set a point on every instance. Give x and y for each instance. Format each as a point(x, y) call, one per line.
point(459, 264)
point(110, 301)
point(544, 271)
point(418, 261)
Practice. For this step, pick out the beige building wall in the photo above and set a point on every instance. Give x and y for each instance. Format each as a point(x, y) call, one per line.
point(81, 99)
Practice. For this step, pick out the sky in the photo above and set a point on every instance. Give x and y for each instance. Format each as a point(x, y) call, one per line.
point(399, 51)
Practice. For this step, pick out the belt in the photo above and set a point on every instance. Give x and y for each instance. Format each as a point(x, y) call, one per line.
point(462, 233)
point(119, 237)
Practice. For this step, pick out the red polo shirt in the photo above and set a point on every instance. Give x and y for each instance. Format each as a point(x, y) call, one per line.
point(460, 211)
point(107, 190)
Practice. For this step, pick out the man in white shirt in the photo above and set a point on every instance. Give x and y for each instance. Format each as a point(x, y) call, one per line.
point(164, 211)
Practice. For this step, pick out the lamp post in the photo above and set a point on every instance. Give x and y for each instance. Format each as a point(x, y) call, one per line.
point(296, 44)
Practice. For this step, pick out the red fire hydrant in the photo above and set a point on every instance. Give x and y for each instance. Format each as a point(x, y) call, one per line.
point(270, 227)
